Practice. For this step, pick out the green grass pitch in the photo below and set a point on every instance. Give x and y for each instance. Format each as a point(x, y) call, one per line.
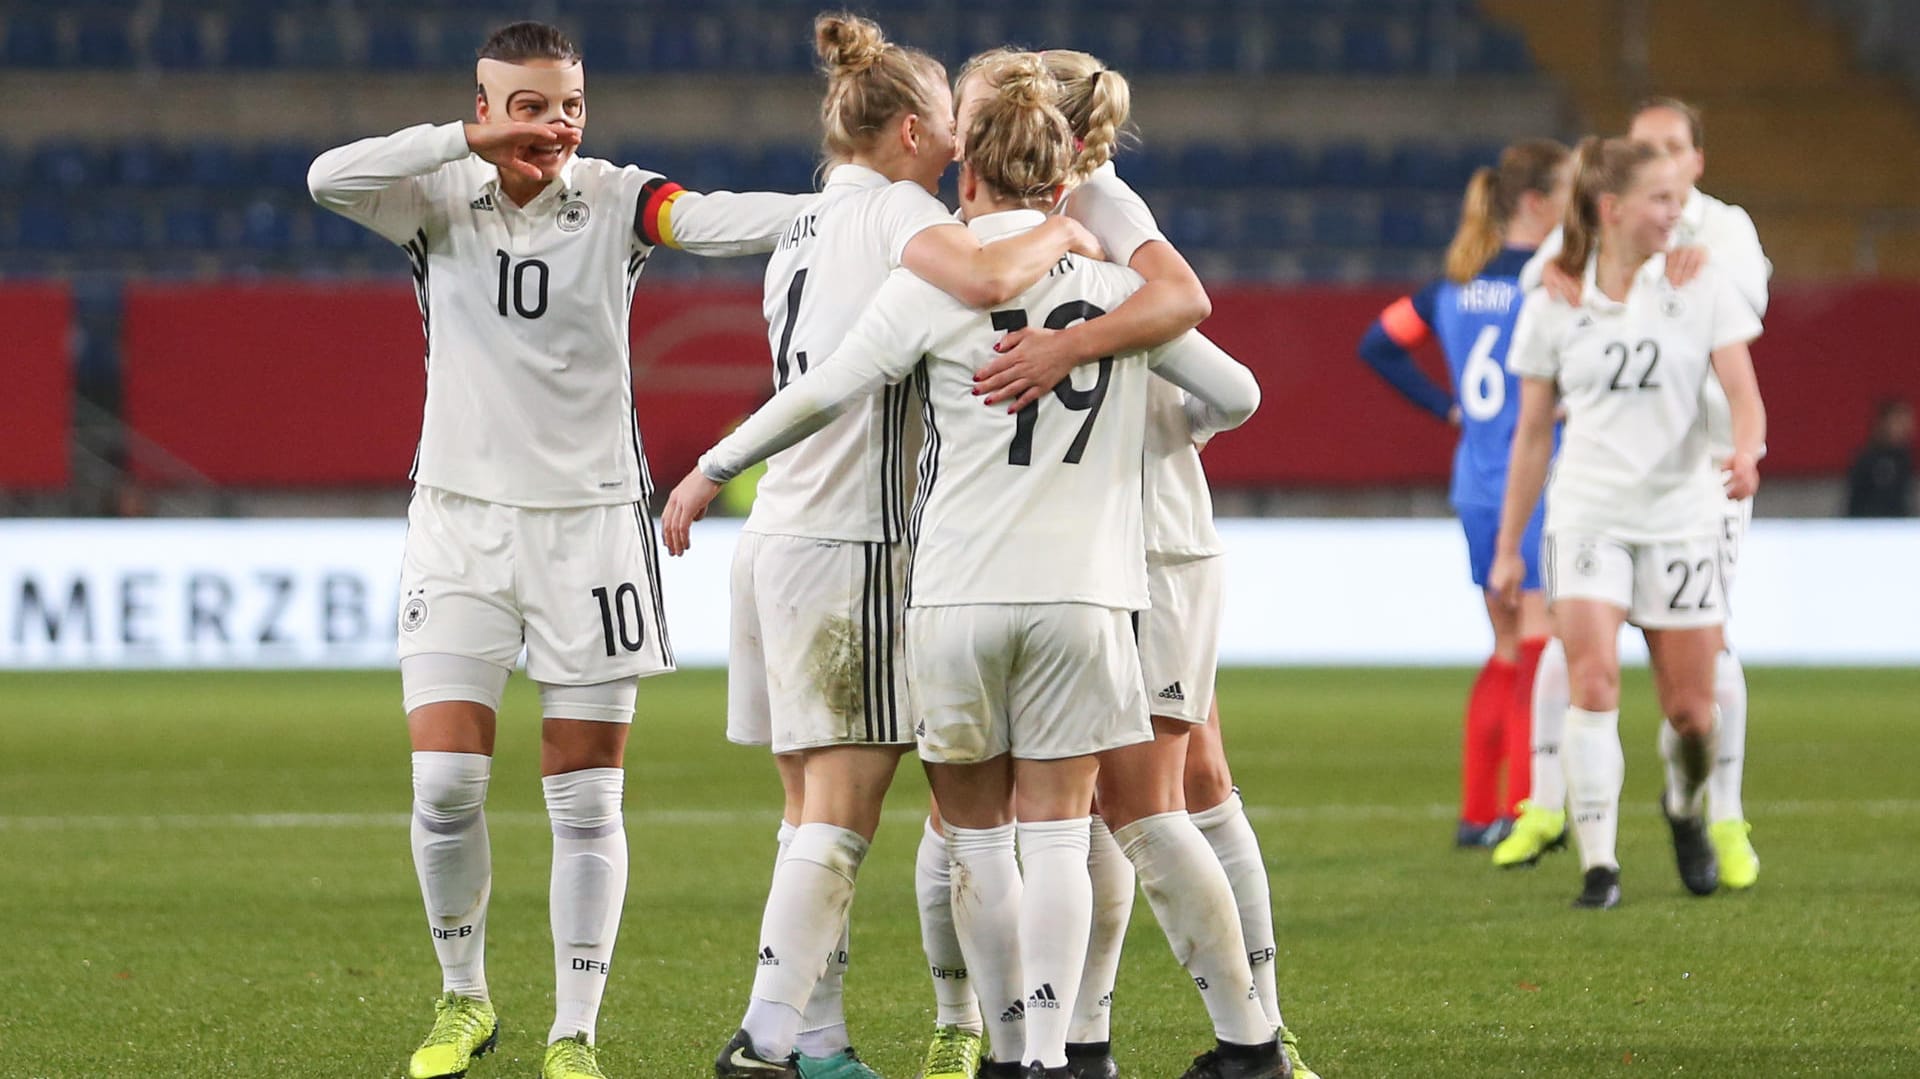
point(208, 875)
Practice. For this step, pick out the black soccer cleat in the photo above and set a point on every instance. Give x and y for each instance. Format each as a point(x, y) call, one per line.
point(739, 1060)
point(1229, 1061)
point(1036, 1071)
point(1699, 868)
point(1602, 889)
point(1002, 1069)
point(1477, 836)
point(1091, 1060)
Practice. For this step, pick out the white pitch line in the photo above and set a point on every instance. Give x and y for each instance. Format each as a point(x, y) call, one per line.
point(713, 818)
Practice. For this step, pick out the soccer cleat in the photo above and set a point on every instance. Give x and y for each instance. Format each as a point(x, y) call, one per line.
point(1036, 1071)
point(1470, 836)
point(739, 1061)
point(1091, 1060)
point(571, 1058)
point(1739, 865)
point(464, 1030)
point(1228, 1061)
point(846, 1064)
point(1601, 890)
point(1535, 832)
point(1699, 870)
point(1290, 1046)
point(954, 1053)
point(996, 1069)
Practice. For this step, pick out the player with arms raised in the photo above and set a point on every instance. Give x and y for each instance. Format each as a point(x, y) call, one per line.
point(1508, 211)
point(1026, 568)
point(529, 521)
point(1633, 530)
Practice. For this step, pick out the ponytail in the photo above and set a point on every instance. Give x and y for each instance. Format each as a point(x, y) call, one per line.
point(1602, 167)
point(1096, 101)
point(1493, 196)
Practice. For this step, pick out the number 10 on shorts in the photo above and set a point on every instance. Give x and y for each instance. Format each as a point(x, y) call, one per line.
point(620, 619)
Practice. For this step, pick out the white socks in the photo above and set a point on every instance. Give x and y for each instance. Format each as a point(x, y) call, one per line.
point(986, 902)
point(1730, 762)
point(1231, 836)
point(805, 920)
point(1552, 696)
point(1596, 769)
point(589, 886)
point(1688, 762)
point(1112, 877)
point(1056, 918)
point(1193, 900)
point(455, 866)
point(954, 1002)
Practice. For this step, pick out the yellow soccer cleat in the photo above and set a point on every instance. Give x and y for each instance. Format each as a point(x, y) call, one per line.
point(954, 1053)
point(1290, 1045)
point(571, 1058)
point(1739, 865)
point(464, 1030)
point(1535, 832)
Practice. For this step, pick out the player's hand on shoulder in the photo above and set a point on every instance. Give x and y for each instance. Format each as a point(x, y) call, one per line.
point(1742, 475)
point(1080, 241)
point(687, 504)
point(1684, 264)
point(505, 144)
point(1027, 364)
point(1560, 284)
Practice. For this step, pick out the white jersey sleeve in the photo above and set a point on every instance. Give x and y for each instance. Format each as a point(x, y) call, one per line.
point(383, 182)
point(1536, 266)
point(1116, 215)
point(719, 224)
point(904, 211)
point(1533, 352)
point(882, 347)
point(1221, 394)
point(1733, 246)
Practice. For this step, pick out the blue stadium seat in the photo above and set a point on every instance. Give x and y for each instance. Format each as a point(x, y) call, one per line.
point(393, 44)
point(331, 232)
point(266, 226)
point(605, 38)
point(175, 42)
point(45, 225)
point(32, 41)
point(712, 167)
point(1212, 165)
point(1224, 50)
point(1501, 52)
point(9, 167)
point(283, 165)
point(787, 168)
point(1338, 223)
point(251, 43)
point(214, 165)
point(66, 166)
point(120, 225)
point(1167, 46)
point(1347, 164)
point(1195, 225)
point(102, 41)
point(1474, 155)
point(1403, 227)
point(1266, 229)
point(1425, 165)
point(1278, 164)
point(188, 227)
point(1369, 48)
point(316, 41)
point(1295, 47)
point(139, 163)
point(1144, 167)
point(674, 46)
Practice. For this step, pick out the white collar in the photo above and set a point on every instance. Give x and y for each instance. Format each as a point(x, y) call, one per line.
point(993, 226)
point(1651, 271)
point(852, 175)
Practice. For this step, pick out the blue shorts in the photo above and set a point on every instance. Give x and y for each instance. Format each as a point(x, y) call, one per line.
point(1482, 524)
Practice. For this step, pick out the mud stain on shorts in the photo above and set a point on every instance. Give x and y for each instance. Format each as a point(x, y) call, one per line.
point(835, 665)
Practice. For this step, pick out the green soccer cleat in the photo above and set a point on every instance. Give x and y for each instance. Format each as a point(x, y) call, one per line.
point(846, 1064)
point(1739, 865)
point(1535, 832)
point(464, 1030)
point(1290, 1045)
point(954, 1053)
point(571, 1058)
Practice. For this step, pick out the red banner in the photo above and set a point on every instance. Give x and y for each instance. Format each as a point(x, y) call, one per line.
point(304, 385)
point(36, 409)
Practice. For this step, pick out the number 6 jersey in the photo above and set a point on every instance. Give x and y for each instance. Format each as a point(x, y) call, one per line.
point(529, 390)
point(1042, 506)
point(1634, 463)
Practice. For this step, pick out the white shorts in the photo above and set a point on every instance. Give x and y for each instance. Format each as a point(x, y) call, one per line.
point(1180, 637)
point(1670, 584)
point(817, 656)
point(1043, 681)
point(577, 588)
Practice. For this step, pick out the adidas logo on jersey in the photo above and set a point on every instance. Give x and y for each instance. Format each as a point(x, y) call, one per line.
point(1043, 997)
point(1172, 693)
point(484, 202)
point(1014, 1014)
point(768, 959)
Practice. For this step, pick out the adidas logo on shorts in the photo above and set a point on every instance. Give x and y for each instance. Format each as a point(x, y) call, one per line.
point(768, 959)
point(1172, 693)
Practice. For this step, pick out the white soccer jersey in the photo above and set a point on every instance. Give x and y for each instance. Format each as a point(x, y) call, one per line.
point(1038, 507)
point(847, 481)
point(1634, 462)
point(529, 390)
point(1177, 503)
point(1733, 247)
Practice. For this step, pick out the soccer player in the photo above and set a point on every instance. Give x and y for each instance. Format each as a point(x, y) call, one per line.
point(1178, 635)
point(529, 521)
point(1633, 532)
point(1506, 214)
point(1026, 569)
point(1709, 230)
point(818, 586)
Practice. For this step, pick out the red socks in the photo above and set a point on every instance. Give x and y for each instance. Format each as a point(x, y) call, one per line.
point(1520, 725)
point(1484, 746)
